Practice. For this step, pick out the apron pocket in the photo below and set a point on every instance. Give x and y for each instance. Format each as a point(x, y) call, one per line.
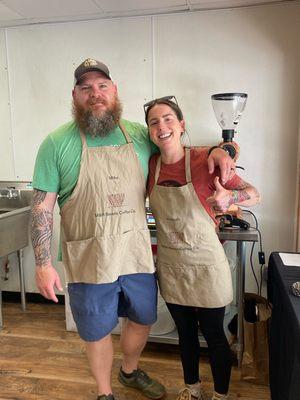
point(124, 254)
point(77, 256)
point(195, 285)
point(104, 259)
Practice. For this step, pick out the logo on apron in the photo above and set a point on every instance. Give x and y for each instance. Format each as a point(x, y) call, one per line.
point(176, 237)
point(116, 199)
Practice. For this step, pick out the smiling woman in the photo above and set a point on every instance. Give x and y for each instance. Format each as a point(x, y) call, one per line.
point(193, 272)
point(165, 131)
point(166, 126)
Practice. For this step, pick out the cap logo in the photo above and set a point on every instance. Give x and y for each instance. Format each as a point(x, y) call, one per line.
point(90, 62)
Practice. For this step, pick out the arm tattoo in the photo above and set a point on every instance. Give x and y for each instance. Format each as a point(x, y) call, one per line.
point(240, 193)
point(41, 229)
point(256, 194)
point(38, 197)
point(242, 185)
point(239, 196)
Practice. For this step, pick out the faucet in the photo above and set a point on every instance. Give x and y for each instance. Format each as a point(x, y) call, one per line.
point(10, 193)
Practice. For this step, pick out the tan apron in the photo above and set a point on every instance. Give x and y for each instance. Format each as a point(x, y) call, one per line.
point(191, 263)
point(103, 224)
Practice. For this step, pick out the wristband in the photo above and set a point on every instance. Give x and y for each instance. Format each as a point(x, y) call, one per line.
point(216, 147)
point(211, 149)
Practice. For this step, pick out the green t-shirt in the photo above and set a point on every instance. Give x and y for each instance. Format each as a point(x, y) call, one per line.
point(58, 161)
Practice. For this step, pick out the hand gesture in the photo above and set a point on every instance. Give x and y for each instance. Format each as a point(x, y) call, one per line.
point(222, 198)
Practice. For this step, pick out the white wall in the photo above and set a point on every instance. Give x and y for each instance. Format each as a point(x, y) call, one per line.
point(41, 63)
point(192, 55)
point(256, 51)
point(6, 145)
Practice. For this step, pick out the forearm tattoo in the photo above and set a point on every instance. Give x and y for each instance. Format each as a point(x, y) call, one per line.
point(240, 193)
point(256, 195)
point(238, 196)
point(41, 229)
point(242, 185)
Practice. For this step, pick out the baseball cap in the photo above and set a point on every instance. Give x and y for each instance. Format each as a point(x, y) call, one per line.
point(90, 65)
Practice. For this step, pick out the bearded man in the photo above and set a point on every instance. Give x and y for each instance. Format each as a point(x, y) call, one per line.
point(96, 167)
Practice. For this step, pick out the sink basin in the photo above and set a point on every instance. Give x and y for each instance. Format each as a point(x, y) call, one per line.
point(14, 222)
point(15, 201)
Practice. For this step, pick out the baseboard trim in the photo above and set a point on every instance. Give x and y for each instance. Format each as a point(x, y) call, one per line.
point(15, 297)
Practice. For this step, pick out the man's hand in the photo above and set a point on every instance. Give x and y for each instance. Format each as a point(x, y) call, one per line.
point(222, 198)
point(46, 279)
point(220, 158)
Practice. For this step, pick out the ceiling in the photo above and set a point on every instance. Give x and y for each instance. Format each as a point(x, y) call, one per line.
point(22, 12)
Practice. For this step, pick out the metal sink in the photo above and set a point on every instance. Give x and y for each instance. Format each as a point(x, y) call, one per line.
point(14, 219)
point(15, 201)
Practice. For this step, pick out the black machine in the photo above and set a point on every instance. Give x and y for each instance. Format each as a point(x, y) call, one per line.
point(229, 221)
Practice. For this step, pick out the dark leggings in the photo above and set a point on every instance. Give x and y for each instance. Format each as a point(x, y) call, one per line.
point(210, 321)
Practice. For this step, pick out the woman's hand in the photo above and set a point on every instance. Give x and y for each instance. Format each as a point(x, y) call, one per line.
point(242, 195)
point(220, 158)
point(222, 198)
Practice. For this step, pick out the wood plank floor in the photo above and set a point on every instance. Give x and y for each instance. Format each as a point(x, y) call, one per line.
point(40, 360)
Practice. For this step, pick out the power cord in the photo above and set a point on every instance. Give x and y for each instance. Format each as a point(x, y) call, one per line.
point(261, 254)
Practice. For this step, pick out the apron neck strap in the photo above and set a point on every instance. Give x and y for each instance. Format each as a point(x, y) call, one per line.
point(157, 170)
point(188, 175)
point(83, 139)
point(127, 137)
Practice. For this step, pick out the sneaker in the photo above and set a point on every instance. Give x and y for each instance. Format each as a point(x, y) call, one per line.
point(229, 396)
point(106, 397)
point(141, 381)
point(186, 394)
point(204, 395)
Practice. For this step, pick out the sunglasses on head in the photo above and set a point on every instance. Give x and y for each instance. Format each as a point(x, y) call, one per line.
point(152, 102)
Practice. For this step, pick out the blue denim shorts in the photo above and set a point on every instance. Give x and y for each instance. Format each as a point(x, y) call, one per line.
point(96, 307)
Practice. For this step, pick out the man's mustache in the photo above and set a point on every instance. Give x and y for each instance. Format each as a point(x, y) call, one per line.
point(94, 102)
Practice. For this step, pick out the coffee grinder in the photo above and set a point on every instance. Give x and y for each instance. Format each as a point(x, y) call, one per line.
point(228, 108)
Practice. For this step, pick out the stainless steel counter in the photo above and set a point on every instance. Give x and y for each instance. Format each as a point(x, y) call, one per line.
point(15, 200)
point(241, 237)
